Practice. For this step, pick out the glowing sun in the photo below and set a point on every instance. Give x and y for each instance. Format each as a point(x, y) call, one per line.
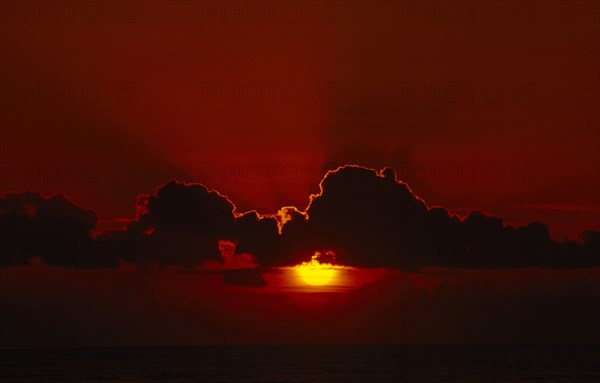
point(315, 273)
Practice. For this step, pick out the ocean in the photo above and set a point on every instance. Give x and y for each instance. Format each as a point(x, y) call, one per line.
point(306, 363)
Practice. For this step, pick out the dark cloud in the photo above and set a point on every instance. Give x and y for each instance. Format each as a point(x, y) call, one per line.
point(183, 208)
point(372, 220)
point(52, 229)
point(181, 224)
point(258, 236)
point(369, 218)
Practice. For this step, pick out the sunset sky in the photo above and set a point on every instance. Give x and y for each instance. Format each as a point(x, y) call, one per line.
point(476, 106)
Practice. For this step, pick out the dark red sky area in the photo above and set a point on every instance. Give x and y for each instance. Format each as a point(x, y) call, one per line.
point(486, 105)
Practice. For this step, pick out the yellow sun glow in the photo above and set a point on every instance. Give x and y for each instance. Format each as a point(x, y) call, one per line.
point(315, 273)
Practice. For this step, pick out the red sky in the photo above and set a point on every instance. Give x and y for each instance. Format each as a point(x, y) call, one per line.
point(477, 105)
point(491, 106)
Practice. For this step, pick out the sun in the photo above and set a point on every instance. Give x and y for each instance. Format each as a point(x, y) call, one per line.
point(315, 273)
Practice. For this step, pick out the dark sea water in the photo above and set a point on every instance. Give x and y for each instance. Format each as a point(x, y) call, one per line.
point(314, 363)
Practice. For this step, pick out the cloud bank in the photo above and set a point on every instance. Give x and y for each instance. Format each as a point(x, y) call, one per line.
point(368, 217)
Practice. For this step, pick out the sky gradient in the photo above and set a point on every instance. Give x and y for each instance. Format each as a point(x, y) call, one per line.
point(165, 168)
point(481, 106)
